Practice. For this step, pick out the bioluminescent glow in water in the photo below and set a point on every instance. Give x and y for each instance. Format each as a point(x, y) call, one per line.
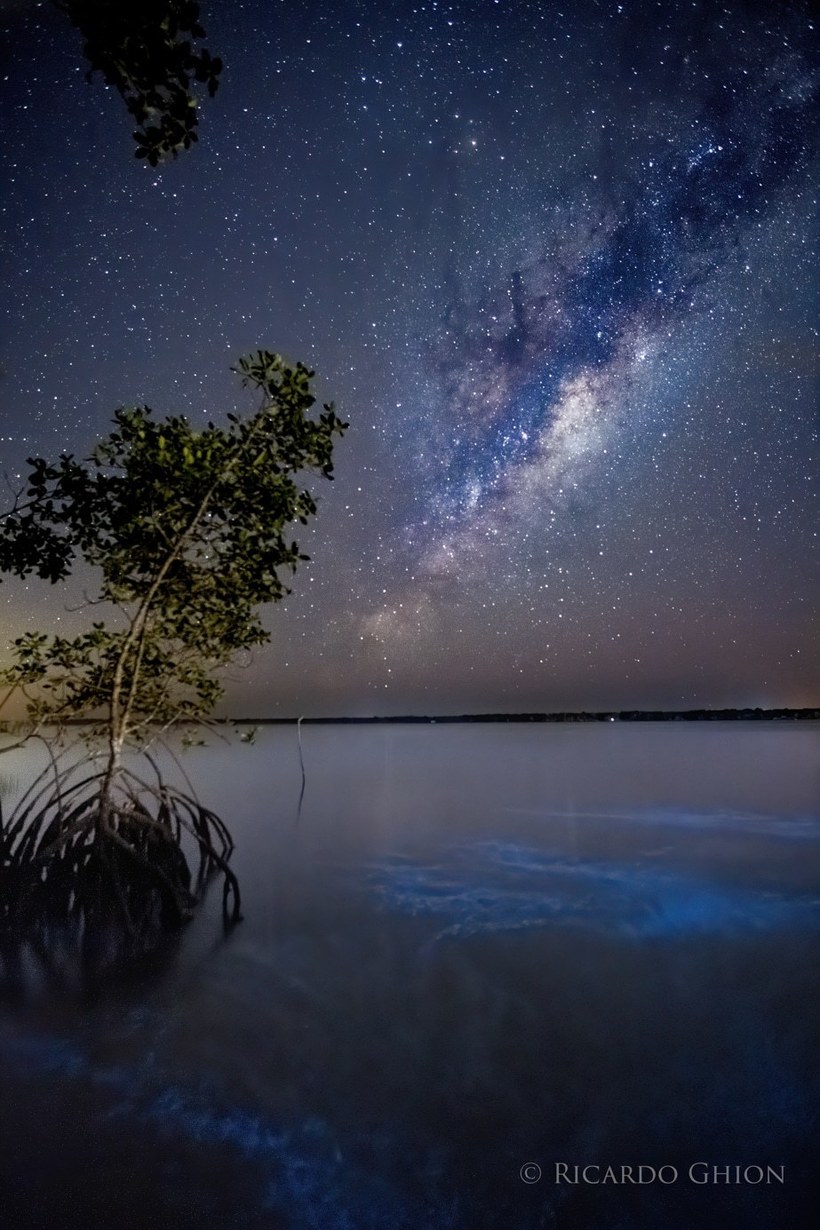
point(783, 828)
point(307, 1168)
point(502, 886)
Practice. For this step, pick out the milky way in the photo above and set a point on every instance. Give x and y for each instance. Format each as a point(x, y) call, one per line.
point(536, 381)
point(555, 267)
point(640, 270)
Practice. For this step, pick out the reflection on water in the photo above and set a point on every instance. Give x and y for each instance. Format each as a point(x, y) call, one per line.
point(476, 947)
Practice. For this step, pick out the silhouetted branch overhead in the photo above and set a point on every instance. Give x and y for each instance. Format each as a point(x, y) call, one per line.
point(146, 50)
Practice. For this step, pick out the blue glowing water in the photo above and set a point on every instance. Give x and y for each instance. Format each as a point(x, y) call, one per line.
point(501, 886)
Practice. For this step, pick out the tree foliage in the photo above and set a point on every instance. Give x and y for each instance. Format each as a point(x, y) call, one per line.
point(190, 531)
point(146, 50)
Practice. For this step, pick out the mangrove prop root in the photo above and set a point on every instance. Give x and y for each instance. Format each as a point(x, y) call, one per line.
point(74, 856)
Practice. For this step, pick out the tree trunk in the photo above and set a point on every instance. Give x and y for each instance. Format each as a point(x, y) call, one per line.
point(116, 743)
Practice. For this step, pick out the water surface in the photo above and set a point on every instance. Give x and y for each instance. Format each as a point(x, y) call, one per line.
point(472, 948)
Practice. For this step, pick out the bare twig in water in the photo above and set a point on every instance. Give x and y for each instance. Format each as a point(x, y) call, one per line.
point(301, 765)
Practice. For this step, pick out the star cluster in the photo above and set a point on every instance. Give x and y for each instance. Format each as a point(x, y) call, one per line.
point(554, 264)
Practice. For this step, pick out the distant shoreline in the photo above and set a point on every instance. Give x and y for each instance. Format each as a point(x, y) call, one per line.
point(624, 715)
point(610, 715)
point(627, 715)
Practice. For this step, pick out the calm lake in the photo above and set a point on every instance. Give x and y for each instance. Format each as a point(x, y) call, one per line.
point(475, 953)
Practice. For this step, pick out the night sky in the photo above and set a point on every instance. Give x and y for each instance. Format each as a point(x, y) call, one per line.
point(553, 263)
